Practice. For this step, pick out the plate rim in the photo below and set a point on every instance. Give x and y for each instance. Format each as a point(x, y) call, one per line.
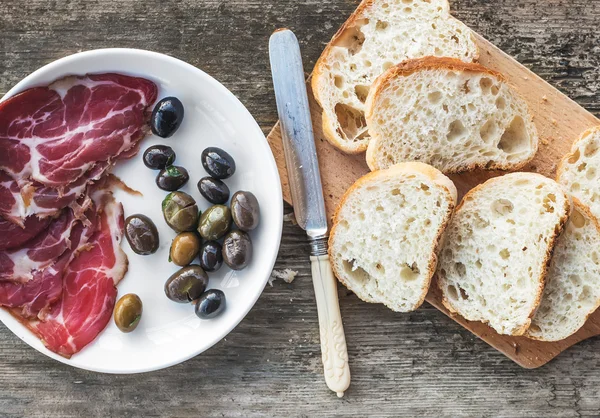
point(16, 328)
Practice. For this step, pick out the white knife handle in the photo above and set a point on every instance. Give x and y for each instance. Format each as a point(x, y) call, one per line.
point(333, 340)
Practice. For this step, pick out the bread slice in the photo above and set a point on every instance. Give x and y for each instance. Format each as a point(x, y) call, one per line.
point(453, 115)
point(579, 170)
point(386, 232)
point(378, 35)
point(572, 291)
point(493, 264)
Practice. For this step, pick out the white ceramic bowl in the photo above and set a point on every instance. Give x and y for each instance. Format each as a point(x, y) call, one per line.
point(170, 333)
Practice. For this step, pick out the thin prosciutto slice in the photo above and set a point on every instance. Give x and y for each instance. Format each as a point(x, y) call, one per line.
point(55, 139)
point(14, 236)
point(89, 289)
point(45, 287)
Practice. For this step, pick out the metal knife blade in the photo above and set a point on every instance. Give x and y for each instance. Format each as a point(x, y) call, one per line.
point(297, 133)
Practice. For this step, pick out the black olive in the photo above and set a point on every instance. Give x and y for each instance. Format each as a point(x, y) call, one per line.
point(158, 157)
point(218, 163)
point(186, 284)
point(141, 233)
point(172, 178)
point(245, 210)
point(166, 117)
point(211, 258)
point(237, 250)
point(213, 190)
point(210, 304)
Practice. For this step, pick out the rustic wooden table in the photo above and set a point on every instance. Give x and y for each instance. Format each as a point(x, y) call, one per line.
point(402, 364)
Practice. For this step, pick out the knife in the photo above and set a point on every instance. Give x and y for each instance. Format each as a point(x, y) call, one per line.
point(307, 197)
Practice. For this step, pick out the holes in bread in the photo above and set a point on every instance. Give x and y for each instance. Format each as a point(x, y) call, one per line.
point(465, 88)
point(548, 201)
point(577, 219)
point(504, 254)
point(500, 103)
point(386, 65)
point(338, 80)
point(590, 173)
point(574, 157)
point(456, 131)
point(575, 279)
point(407, 10)
point(361, 92)
point(485, 84)
point(361, 216)
point(478, 264)
point(595, 258)
point(575, 187)
point(479, 222)
point(452, 292)
point(395, 192)
point(534, 329)
point(352, 38)
point(407, 1)
point(460, 269)
point(408, 272)
point(463, 294)
point(488, 131)
point(494, 90)
point(434, 97)
point(591, 149)
point(515, 138)
point(581, 167)
point(379, 268)
point(424, 187)
point(351, 268)
point(586, 294)
point(502, 207)
point(381, 25)
point(379, 208)
point(352, 122)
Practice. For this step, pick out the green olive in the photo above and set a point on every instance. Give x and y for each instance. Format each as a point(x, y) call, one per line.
point(187, 284)
point(180, 211)
point(185, 248)
point(128, 312)
point(215, 222)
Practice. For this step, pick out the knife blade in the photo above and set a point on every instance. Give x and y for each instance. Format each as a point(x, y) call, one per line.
point(307, 197)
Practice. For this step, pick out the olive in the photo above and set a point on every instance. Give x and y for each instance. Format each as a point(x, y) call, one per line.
point(187, 284)
point(245, 210)
point(128, 312)
point(180, 211)
point(210, 304)
point(141, 234)
point(211, 256)
point(215, 222)
point(172, 178)
point(218, 163)
point(166, 117)
point(184, 248)
point(213, 190)
point(158, 157)
point(237, 250)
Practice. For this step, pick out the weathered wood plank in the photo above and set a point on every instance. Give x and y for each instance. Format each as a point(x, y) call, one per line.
point(402, 365)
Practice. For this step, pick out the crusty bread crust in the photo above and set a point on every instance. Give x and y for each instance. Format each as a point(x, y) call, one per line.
point(411, 66)
point(320, 68)
point(403, 168)
point(586, 211)
point(547, 258)
point(574, 146)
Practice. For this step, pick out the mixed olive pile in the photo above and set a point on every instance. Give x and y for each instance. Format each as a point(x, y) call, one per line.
point(208, 236)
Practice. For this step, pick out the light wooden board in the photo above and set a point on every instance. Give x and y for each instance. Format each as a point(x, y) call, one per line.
point(559, 121)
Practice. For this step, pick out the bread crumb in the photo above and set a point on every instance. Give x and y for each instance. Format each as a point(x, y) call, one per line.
point(290, 217)
point(554, 122)
point(544, 98)
point(544, 141)
point(287, 275)
point(515, 347)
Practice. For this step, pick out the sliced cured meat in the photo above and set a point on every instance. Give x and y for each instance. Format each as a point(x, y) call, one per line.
point(89, 289)
point(13, 235)
point(35, 199)
point(55, 134)
point(20, 265)
point(45, 287)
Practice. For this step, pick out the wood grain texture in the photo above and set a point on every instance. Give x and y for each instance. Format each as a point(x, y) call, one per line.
point(418, 364)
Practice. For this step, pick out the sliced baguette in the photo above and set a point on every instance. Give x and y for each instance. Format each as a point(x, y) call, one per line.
point(572, 291)
point(378, 35)
point(579, 170)
point(453, 115)
point(386, 232)
point(493, 264)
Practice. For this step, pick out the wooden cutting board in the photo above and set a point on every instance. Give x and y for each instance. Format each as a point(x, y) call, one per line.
point(559, 121)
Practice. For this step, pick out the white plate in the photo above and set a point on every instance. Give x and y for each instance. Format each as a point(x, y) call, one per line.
point(170, 333)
